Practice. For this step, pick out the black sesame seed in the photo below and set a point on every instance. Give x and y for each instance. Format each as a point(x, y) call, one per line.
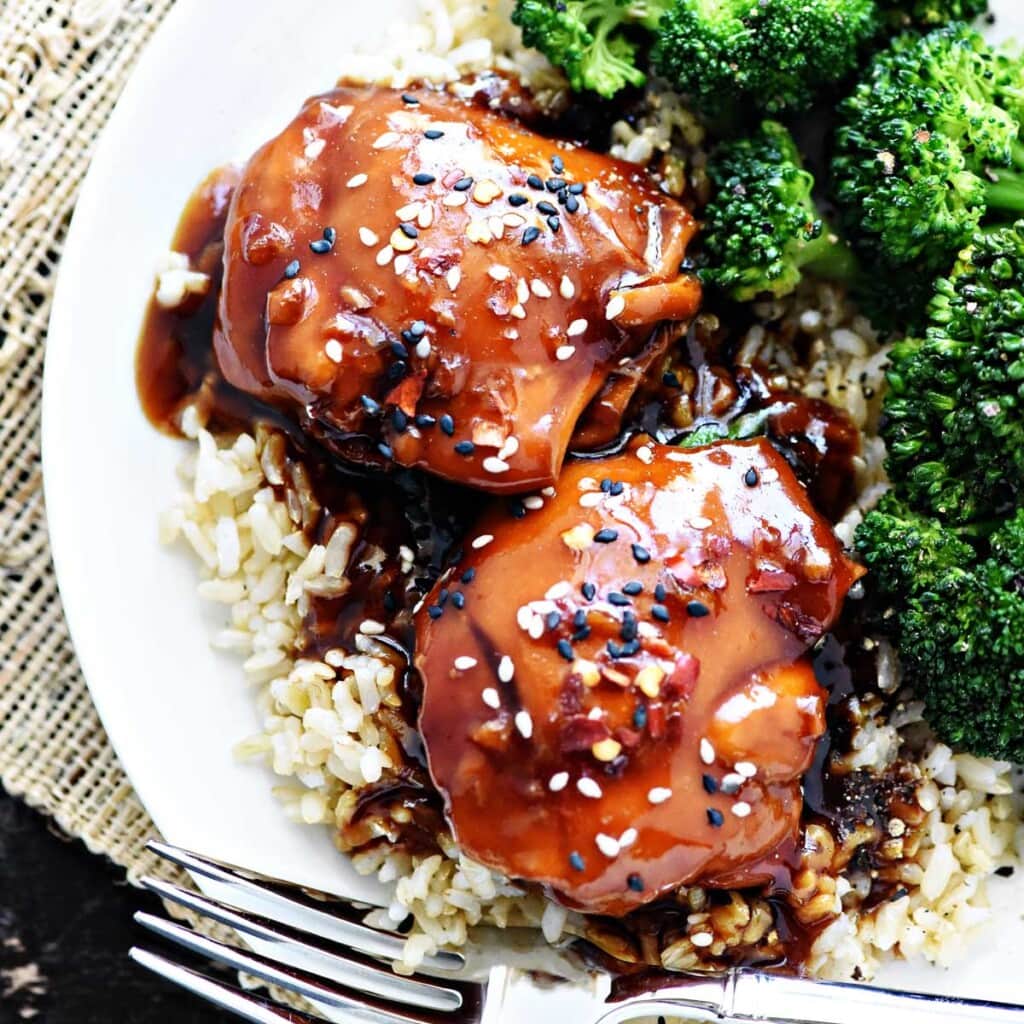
point(697, 609)
point(633, 587)
point(640, 716)
point(616, 489)
point(557, 164)
point(636, 883)
point(555, 184)
point(709, 783)
point(546, 208)
point(517, 199)
point(408, 336)
point(397, 370)
point(516, 509)
point(465, 447)
point(399, 351)
point(617, 599)
point(531, 234)
point(442, 597)
point(385, 450)
point(463, 185)
point(410, 99)
point(572, 204)
point(535, 181)
point(641, 554)
point(330, 235)
point(563, 197)
point(425, 420)
point(628, 631)
point(291, 270)
point(576, 188)
point(447, 425)
point(409, 230)
point(422, 178)
point(468, 576)
point(631, 648)
point(555, 224)
point(670, 380)
point(589, 590)
point(459, 600)
point(715, 818)
point(606, 485)
point(417, 328)
point(751, 477)
point(435, 611)
point(369, 404)
point(576, 861)
point(433, 133)
point(580, 618)
point(659, 592)
point(551, 620)
point(614, 649)
point(565, 649)
point(389, 602)
point(606, 536)
point(659, 612)
point(581, 634)
point(400, 420)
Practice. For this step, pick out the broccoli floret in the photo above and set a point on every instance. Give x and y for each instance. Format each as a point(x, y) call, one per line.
point(928, 147)
point(956, 613)
point(954, 412)
point(763, 230)
point(772, 54)
point(588, 39)
point(931, 13)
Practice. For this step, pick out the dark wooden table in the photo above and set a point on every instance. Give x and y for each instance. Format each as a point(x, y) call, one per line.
point(65, 929)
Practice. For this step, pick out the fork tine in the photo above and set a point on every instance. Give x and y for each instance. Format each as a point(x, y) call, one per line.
point(361, 975)
point(224, 996)
point(261, 967)
point(251, 892)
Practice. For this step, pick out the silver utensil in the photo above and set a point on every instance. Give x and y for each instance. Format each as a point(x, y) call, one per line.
point(323, 952)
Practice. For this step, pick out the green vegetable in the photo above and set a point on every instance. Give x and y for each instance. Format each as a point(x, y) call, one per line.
point(589, 39)
point(928, 148)
point(763, 230)
point(773, 54)
point(954, 411)
point(956, 612)
point(931, 13)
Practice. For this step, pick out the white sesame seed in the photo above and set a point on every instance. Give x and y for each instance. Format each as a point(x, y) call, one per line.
point(314, 149)
point(371, 627)
point(746, 768)
point(645, 455)
point(536, 629)
point(497, 226)
point(401, 242)
point(479, 232)
point(512, 220)
point(627, 839)
point(333, 350)
point(533, 502)
point(702, 939)
point(741, 808)
point(522, 291)
point(464, 663)
point(608, 846)
point(422, 348)
point(576, 328)
point(564, 352)
point(491, 698)
point(506, 669)
point(385, 140)
point(368, 237)
point(658, 795)
point(482, 541)
point(402, 263)
point(589, 788)
point(509, 448)
point(498, 272)
point(615, 308)
point(700, 522)
point(524, 616)
point(454, 199)
point(518, 311)
point(385, 256)
point(563, 588)
point(356, 180)
point(595, 714)
point(492, 464)
point(566, 288)
point(731, 782)
point(548, 492)
point(453, 277)
point(769, 476)
point(524, 723)
point(591, 499)
point(511, 333)
point(408, 212)
point(540, 289)
point(426, 216)
point(558, 782)
point(707, 752)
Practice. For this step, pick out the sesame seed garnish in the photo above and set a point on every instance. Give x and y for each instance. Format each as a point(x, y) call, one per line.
point(540, 289)
point(425, 420)
point(659, 592)
point(617, 599)
point(702, 939)
point(465, 447)
point(506, 669)
point(491, 698)
point(555, 224)
point(423, 178)
point(555, 184)
point(635, 882)
point(658, 795)
point(497, 272)
point(746, 768)
point(320, 246)
point(453, 278)
point(564, 352)
point(535, 181)
point(402, 263)
point(410, 99)
point(558, 782)
point(616, 488)
point(422, 348)
point(608, 846)
point(486, 192)
point(731, 783)
point(552, 620)
point(464, 663)
point(435, 611)
point(371, 406)
point(606, 536)
point(447, 425)
point(533, 502)
point(459, 600)
point(400, 240)
point(769, 476)
point(517, 199)
point(577, 188)
point(463, 185)
point(524, 724)
point(589, 591)
point(531, 234)
point(566, 288)
point(615, 308)
point(710, 784)
point(385, 256)
point(546, 208)
point(576, 328)
point(482, 541)
point(433, 133)
point(408, 229)
point(524, 616)
point(565, 650)
point(548, 492)
point(589, 788)
point(371, 627)
point(407, 212)
point(291, 270)
point(492, 464)
point(750, 478)
point(659, 612)
point(707, 751)
point(356, 180)
point(645, 455)
point(468, 576)
point(509, 448)
point(333, 350)
point(576, 861)
point(399, 420)
point(633, 587)
point(697, 609)
point(479, 232)
point(628, 838)
point(518, 311)
point(386, 140)
point(641, 554)
point(591, 499)
point(648, 680)
point(715, 818)
point(557, 164)
point(453, 200)
point(741, 809)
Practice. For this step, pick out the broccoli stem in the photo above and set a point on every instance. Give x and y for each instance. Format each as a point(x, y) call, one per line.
point(829, 257)
point(1007, 192)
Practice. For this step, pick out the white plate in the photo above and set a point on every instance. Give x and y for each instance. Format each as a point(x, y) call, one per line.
point(215, 82)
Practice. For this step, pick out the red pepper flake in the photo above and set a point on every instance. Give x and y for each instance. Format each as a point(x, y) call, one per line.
point(656, 720)
point(683, 678)
point(581, 733)
point(770, 581)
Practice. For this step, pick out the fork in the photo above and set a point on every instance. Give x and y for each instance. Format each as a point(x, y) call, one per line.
point(321, 950)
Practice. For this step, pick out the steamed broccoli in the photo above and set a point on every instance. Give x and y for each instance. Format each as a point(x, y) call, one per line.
point(928, 148)
point(588, 39)
point(956, 612)
point(931, 13)
point(954, 412)
point(763, 230)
